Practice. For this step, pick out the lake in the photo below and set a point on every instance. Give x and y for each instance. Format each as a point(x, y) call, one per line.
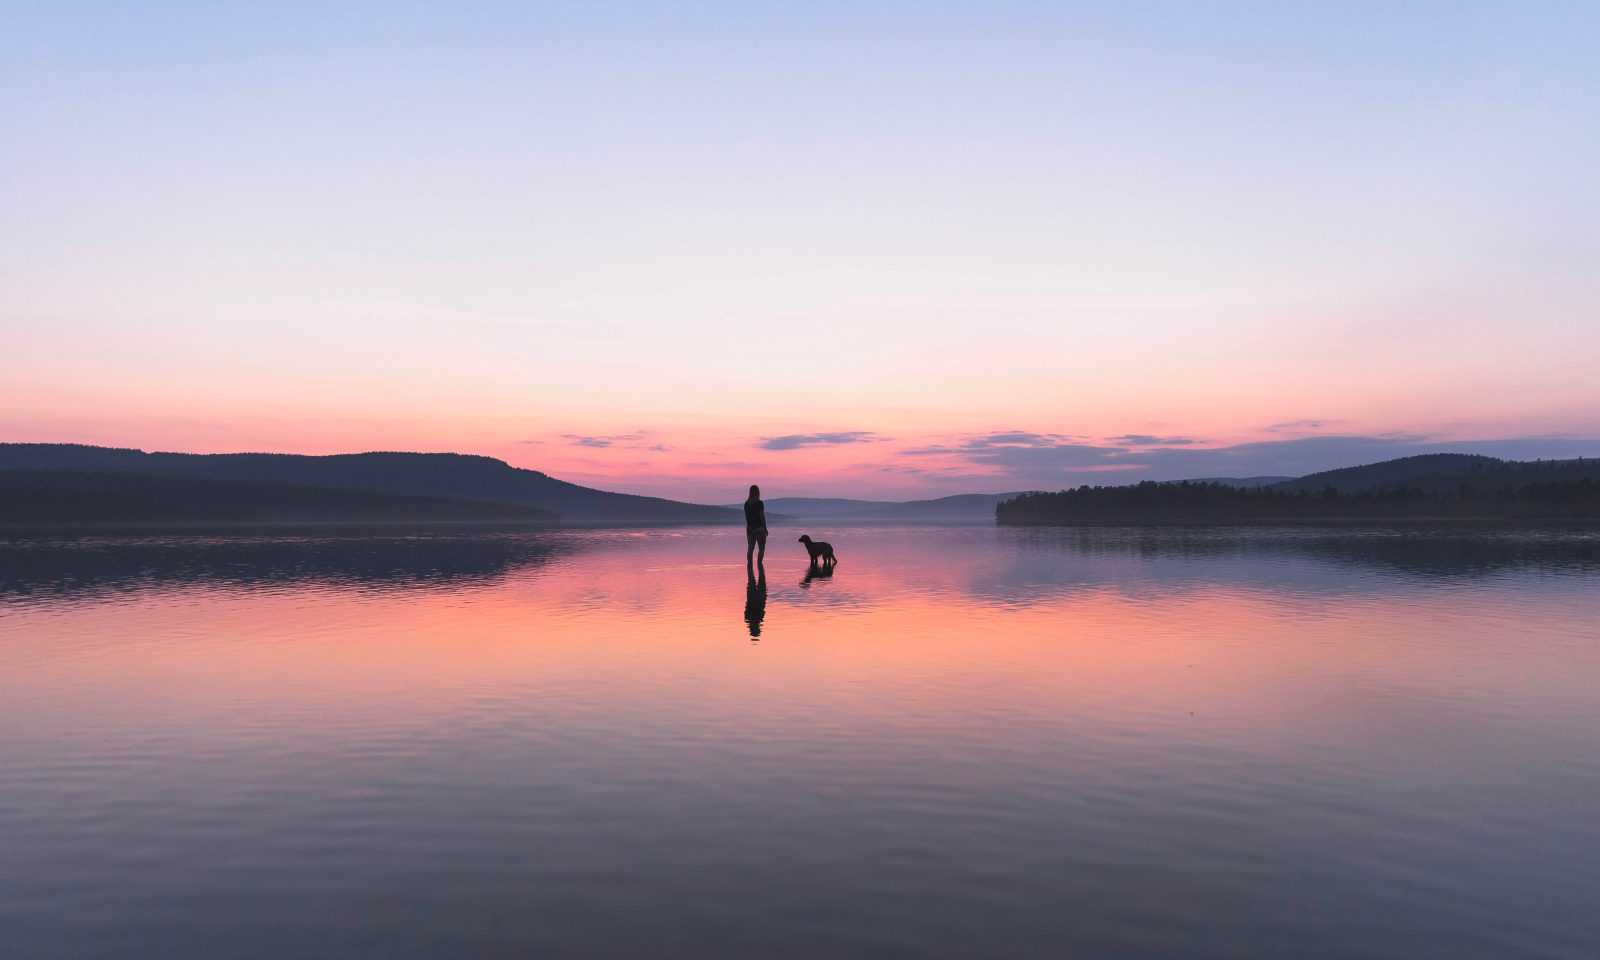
point(966, 742)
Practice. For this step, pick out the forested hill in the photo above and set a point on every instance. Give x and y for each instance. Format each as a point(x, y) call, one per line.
point(1421, 487)
point(449, 475)
point(1445, 473)
point(1423, 471)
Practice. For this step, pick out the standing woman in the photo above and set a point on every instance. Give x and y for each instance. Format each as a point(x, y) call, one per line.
point(755, 528)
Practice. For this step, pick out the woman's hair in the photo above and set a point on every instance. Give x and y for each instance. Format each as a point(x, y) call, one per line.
point(755, 492)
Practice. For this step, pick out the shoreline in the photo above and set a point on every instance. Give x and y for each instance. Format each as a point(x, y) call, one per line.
point(1318, 522)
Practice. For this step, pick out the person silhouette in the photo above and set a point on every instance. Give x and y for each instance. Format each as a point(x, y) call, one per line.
point(755, 605)
point(755, 532)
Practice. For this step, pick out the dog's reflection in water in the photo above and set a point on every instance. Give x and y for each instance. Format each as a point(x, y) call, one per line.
point(755, 604)
point(817, 571)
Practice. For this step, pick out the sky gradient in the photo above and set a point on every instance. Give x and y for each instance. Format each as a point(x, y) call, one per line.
point(875, 250)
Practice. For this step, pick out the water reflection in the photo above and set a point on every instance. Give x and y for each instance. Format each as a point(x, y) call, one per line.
point(1425, 550)
point(1014, 565)
point(1040, 563)
point(816, 572)
point(755, 604)
point(978, 742)
point(59, 567)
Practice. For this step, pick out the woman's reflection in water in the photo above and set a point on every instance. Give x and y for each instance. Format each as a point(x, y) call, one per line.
point(755, 604)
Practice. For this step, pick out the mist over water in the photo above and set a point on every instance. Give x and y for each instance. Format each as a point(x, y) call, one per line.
point(972, 741)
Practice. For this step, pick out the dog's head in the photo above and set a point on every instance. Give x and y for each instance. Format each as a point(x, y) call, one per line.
point(805, 538)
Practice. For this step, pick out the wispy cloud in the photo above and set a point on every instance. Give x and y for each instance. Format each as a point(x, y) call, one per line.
point(625, 441)
point(1051, 461)
point(1022, 438)
point(976, 444)
point(795, 441)
point(1147, 440)
point(1302, 426)
point(1017, 445)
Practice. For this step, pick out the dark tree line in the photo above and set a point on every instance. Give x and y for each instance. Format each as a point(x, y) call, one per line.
point(1561, 499)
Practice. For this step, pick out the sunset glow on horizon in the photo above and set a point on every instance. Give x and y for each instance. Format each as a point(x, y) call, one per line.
point(892, 252)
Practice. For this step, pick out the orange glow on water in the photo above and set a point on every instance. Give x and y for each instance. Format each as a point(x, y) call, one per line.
point(640, 617)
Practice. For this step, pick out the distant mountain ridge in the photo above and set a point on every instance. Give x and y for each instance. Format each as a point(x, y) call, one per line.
point(801, 508)
point(955, 508)
point(958, 508)
point(446, 475)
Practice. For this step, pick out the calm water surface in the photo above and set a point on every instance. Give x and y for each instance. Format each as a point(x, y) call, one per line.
point(966, 742)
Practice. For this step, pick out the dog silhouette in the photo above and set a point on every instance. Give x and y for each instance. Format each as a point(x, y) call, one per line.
point(820, 552)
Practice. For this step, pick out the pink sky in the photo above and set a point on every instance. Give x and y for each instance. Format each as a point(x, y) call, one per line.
point(705, 460)
point(988, 250)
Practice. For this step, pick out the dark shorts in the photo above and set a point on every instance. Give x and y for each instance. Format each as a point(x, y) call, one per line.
point(753, 537)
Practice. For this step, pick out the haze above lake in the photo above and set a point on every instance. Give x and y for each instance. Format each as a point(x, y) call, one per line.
point(973, 741)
